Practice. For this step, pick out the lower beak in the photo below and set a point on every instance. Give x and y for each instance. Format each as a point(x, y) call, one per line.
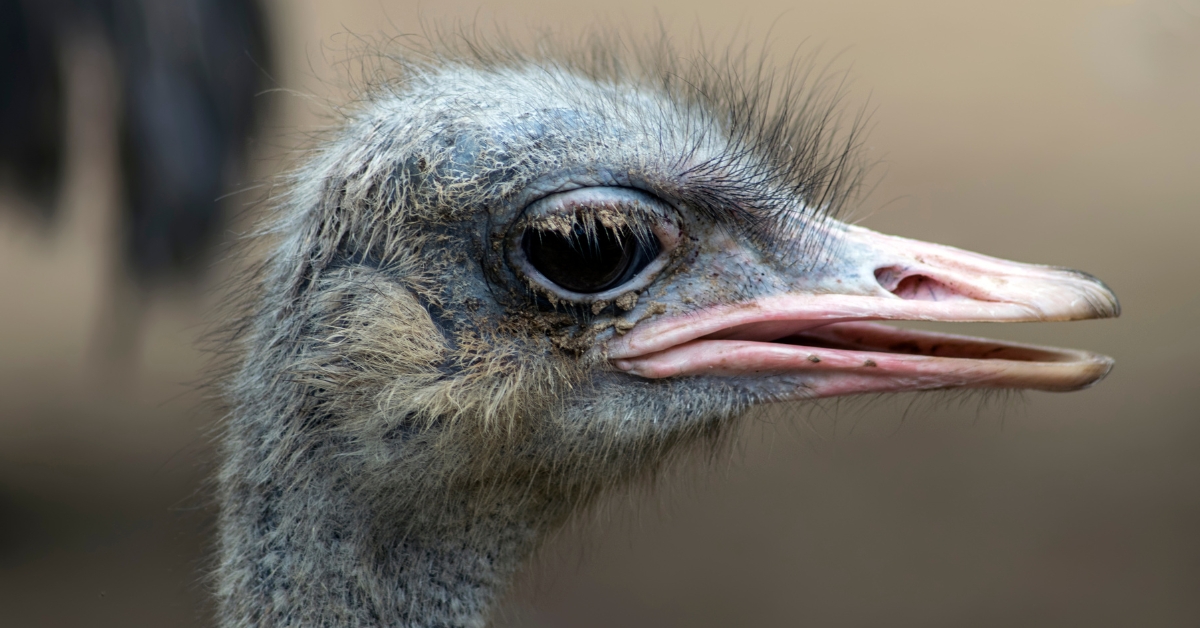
point(822, 335)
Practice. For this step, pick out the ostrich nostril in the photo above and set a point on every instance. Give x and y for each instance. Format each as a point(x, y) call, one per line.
point(889, 277)
point(916, 287)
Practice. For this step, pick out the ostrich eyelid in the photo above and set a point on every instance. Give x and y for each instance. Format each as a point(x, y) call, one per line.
point(619, 204)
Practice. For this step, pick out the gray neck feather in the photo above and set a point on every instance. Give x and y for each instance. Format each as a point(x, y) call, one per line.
point(328, 544)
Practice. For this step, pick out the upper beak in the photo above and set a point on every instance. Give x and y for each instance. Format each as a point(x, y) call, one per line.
point(815, 332)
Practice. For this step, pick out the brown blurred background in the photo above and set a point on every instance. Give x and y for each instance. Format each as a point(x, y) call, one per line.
point(1062, 132)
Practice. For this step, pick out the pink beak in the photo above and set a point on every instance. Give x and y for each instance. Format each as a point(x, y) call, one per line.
point(820, 335)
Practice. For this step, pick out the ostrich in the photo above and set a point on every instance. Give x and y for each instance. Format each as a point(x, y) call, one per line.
point(509, 282)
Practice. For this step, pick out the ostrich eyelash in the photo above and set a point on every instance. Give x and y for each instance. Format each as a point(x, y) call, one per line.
point(577, 217)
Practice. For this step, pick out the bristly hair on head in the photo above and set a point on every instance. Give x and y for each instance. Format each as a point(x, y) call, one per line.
point(786, 127)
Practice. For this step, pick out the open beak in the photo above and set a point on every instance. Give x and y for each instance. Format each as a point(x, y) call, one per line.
point(820, 334)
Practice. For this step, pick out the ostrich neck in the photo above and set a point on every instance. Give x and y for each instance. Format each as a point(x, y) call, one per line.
point(329, 543)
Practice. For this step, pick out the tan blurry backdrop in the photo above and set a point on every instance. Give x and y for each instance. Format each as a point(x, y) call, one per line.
point(1058, 132)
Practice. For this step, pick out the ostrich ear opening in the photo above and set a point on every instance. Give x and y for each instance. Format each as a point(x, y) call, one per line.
point(821, 334)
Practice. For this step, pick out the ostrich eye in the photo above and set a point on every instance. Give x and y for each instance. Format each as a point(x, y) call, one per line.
point(591, 257)
point(592, 245)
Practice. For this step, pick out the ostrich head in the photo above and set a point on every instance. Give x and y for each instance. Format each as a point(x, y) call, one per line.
point(507, 284)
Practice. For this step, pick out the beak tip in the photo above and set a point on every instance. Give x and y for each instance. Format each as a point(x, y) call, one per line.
point(1115, 310)
point(1109, 307)
point(1100, 367)
point(1104, 301)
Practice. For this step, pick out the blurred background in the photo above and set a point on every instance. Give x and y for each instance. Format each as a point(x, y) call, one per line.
point(136, 134)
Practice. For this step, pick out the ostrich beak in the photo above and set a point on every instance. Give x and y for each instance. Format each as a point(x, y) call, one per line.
point(820, 333)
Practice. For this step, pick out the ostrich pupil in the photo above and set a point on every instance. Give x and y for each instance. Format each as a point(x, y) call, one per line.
point(592, 258)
